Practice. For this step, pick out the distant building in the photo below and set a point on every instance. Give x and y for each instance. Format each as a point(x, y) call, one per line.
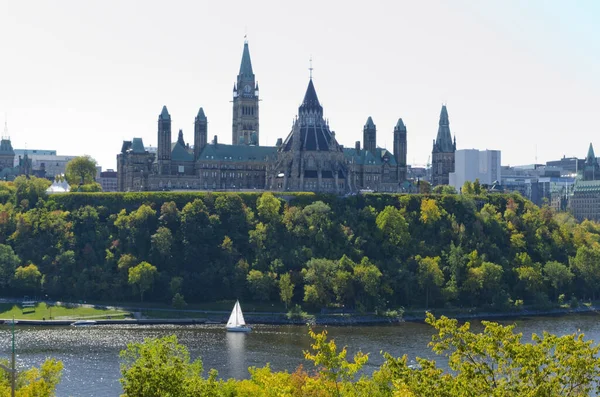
point(46, 160)
point(542, 184)
point(584, 203)
point(568, 165)
point(443, 153)
point(108, 180)
point(473, 164)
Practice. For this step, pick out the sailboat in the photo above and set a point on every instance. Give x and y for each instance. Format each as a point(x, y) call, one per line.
point(236, 322)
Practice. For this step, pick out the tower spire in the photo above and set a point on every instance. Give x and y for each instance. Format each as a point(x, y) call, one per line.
point(5, 134)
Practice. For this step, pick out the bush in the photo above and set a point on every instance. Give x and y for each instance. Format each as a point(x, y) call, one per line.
point(296, 313)
point(519, 304)
point(574, 303)
point(178, 301)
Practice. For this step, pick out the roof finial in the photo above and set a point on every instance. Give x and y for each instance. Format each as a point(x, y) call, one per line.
point(310, 68)
point(5, 135)
point(246, 35)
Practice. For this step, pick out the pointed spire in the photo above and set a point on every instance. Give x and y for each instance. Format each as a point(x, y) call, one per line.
point(164, 114)
point(201, 115)
point(234, 89)
point(591, 157)
point(400, 125)
point(443, 143)
point(311, 101)
point(5, 135)
point(444, 116)
point(246, 65)
point(370, 123)
point(180, 138)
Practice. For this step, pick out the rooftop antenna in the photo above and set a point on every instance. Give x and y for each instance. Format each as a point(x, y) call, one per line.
point(311, 67)
point(536, 153)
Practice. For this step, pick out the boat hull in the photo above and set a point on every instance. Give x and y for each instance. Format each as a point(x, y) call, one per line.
point(84, 323)
point(239, 329)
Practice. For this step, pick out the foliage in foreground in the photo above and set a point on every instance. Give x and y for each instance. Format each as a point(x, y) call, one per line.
point(495, 362)
point(34, 382)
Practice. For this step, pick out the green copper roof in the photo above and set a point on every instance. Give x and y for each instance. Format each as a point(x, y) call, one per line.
point(201, 115)
point(591, 157)
point(164, 114)
point(370, 123)
point(180, 138)
point(236, 152)
point(6, 147)
point(246, 65)
point(443, 143)
point(137, 145)
point(586, 186)
point(365, 157)
point(400, 125)
point(180, 153)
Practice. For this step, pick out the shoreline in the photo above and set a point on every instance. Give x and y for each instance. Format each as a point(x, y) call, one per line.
point(327, 320)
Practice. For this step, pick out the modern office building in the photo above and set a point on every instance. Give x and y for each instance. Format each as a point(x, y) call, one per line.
point(473, 164)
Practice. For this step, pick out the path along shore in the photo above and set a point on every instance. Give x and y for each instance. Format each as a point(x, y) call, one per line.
point(275, 318)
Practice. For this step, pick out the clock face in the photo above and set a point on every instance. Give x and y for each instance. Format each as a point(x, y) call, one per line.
point(247, 89)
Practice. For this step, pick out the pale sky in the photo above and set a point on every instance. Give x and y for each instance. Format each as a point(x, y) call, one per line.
point(519, 76)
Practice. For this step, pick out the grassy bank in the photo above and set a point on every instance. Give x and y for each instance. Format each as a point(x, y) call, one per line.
point(42, 311)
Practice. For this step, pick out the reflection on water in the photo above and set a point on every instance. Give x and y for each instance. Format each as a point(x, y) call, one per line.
point(91, 354)
point(236, 354)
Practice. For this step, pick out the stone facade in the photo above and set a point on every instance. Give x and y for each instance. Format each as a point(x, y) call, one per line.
point(442, 155)
point(310, 158)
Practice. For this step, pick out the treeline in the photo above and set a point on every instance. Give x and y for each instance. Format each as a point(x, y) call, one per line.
point(362, 252)
point(495, 362)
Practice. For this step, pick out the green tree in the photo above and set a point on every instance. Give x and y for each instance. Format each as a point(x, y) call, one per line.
point(286, 289)
point(558, 276)
point(430, 211)
point(587, 263)
point(81, 171)
point(142, 277)
point(28, 278)
point(444, 189)
point(33, 382)
point(429, 275)
point(261, 284)
point(268, 207)
point(8, 264)
point(497, 363)
point(393, 227)
point(28, 191)
point(467, 188)
point(158, 368)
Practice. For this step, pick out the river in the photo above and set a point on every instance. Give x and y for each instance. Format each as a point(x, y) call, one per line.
point(91, 354)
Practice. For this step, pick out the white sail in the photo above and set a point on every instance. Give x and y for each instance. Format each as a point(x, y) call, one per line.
point(236, 319)
point(240, 316)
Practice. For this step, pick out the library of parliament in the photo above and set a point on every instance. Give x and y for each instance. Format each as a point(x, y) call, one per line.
point(308, 159)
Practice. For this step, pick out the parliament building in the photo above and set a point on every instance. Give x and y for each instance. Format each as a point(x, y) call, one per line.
point(310, 158)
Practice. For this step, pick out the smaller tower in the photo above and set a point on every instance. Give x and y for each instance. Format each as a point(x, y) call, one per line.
point(370, 136)
point(200, 133)
point(591, 168)
point(180, 138)
point(443, 152)
point(7, 154)
point(164, 142)
point(400, 149)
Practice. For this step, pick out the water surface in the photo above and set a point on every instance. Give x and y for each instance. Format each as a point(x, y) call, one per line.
point(91, 354)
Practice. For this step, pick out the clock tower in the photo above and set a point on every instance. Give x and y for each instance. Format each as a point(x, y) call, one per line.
point(245, 104)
